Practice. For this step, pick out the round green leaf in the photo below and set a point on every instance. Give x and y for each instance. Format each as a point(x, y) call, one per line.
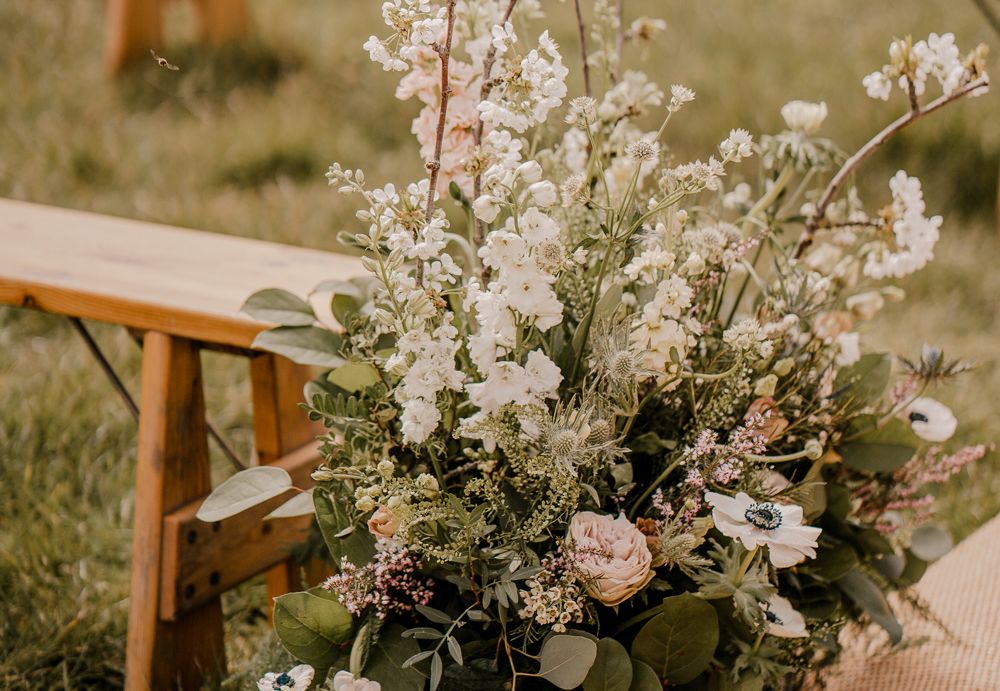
point(679, 643)
point(354, 376)
point(930, 542)
point(312, 628)
point(882, 450)
point(865, 380)
point(565, 660)
point(306, 345)
point(644, 678)
point(386, 658)
point(244, 489)
point(612, 668)
point(278, 306)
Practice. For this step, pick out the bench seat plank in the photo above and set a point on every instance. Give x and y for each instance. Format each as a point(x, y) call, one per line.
point(148, 276)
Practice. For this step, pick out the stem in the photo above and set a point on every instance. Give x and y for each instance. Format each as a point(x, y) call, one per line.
point(747, 561)
point(582, 30)
point(434, 165)
point(620, 37)
point(479, 234)
point(656, 483)
point(813, 223)
point(638, 618)
point(589, 319)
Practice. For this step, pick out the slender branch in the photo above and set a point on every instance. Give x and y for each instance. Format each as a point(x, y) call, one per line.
point(434, 165)
point(479, 235)
point(582, 30)
point(813, 223)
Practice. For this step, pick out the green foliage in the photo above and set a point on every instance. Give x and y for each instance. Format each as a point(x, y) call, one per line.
point(870, 598)
point(306, 345)
point(678, 644)
point(279, 307)
point(882, 450)
point(386, 659)
point(247, 488)
point(313, 626)
point(565, 660)
point(864, 382)
point(612, 669)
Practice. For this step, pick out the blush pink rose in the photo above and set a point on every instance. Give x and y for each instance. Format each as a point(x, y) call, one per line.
point(383, 522)
point(612, 555)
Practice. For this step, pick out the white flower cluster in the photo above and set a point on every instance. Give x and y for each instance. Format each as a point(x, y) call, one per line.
point(525, 89)
point(913, 63)
point(552, 605)
point(658, 332)
point(914, 234)
point(748, 338)
point(415, 24)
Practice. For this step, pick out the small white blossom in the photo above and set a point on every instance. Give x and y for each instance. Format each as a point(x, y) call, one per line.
point(931, 420)
point(345, 681)
point(295, 679)
point(782, 619)
point(737, 146)
point(803, 116)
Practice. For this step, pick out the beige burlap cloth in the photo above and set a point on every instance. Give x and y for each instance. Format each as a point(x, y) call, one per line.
point(963, 592)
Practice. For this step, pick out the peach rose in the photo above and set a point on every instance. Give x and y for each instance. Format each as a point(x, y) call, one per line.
point(775, 424)
point(612, 554)
point(383, 522)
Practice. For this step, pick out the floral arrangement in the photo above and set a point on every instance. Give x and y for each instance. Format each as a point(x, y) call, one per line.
point(599, 418)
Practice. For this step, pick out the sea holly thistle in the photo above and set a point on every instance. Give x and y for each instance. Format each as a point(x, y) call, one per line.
point(608, 392)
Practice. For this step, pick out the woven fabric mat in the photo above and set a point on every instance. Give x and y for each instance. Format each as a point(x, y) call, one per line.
point(963, 591)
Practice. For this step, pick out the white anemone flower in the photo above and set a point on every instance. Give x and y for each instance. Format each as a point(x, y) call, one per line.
point(776, 526)
point(931, 420)
point(295, 679)
point(783, 620)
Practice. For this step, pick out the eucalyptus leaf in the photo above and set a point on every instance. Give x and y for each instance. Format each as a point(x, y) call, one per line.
point(356, 546)
point(644, 678)
point(354, 376)
point(833, 561)
point(565, 660)
point(612, 668)
point(243, 490)
point(306, 345)
point(299, 505)
point(865, 381)
point(679, 643)
point(882, 450)
point(279, 306)
point(387, 657)
point(930, 542)
point(312, 628)
point(609, 302)
point(869, 597)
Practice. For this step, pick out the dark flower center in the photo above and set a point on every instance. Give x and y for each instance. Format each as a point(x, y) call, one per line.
point(918, 417)
point(772, 617)
point(283, 680)
point(765, 515)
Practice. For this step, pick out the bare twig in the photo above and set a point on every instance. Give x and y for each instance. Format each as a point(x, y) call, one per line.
point(832, 189)
point(484, 93)
point(434, 165)
point(582, 29)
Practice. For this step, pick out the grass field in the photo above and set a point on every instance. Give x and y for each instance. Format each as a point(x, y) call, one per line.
point(237, 142)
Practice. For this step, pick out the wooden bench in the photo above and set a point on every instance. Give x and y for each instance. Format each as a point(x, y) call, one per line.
point(134, 27)
point(181, 290)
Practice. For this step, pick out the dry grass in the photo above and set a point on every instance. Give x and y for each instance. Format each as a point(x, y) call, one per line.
point(237, 142)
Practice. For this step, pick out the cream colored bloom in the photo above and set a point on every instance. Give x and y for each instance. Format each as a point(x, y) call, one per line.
point(782, 619)
point(931, 420)
point(296, 678)
point(345, 681)
point(612, 554)
point(803, 116)
point(765, 524)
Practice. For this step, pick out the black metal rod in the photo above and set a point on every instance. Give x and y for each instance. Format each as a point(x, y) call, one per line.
point(112, 375)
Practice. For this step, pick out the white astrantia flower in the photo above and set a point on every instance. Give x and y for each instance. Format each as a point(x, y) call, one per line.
point(782, 619)
point(679, 95)
point(295, 679)
point(803, 116)
point(345, 681)
point(779, 527)
point(737, 146)
point(931, 420)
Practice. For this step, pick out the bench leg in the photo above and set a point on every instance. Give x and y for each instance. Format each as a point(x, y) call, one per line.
point(173, 468)
point(132, 28)
point(222, 20)
point(280, 427)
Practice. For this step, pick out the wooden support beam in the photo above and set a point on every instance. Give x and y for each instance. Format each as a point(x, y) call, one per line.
point(280, 426)
point(133, 27)
point(203, 560)
point(222, 20)
point(172, 469)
